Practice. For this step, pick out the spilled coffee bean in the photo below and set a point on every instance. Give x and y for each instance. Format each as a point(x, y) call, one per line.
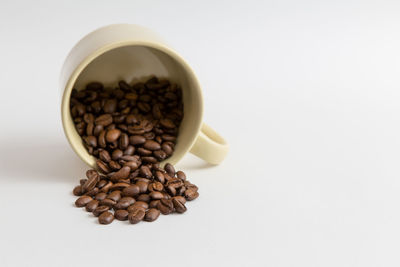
point(130, 129)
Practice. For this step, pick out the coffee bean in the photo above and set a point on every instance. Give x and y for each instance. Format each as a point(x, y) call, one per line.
point(167, 148)
point(115, 195)
point(89, 129)
point(144, 198)
point(179, 206)
point(124, 203)
point(191, 194)
point(102, 139)
point(123, 141)
point(149, 159)
point(108, 202)
point(181, 175)
point(106, 187)
point(153, 203)
point(160, 155)
point(90, 183)
point(100, 184)
point(180, 199)
point(104, 156)
point(114, 165)
point(77, 191)
point(121, 174)
point(168, 137)
point(152, 215)
point(113, 135)
point(88, 118)
point(102, 166)
point(131, 96)
point(110, 106)
point(92, 192)
point(165, 206)
point(132, 164)
point(83, 201)
point(92, 205)
point(156, 186)
point(121, 215)
point(144, 152)
point(137, 140)
point(104, 120)
point(138, 204)
point(116, 154)
point(119, 186)
point(131, 191)
point(169, 169)
point(91, 141)
point(97, 130)
point(106, 218)
point(159, 176)
point(144, 171)
point(151, 145)
point(100, 196)
point(136, 215)
point(129, 150)
point(167, 123)
point(100, 209)
point(142, 186)
point(156, 195)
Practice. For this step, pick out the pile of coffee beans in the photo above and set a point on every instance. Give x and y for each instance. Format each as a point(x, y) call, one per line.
point(130, 129)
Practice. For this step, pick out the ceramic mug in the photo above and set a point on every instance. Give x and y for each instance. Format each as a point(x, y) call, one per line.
point(131, 52)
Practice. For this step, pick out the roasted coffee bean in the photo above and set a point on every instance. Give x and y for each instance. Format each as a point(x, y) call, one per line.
point(152, 215)
point(180, 199)
point(89, 129)
point(119, 186)
point(117, 154)
point(136, 215)
point(121, 174)
point(114, 165)
point(175, 182)
point(160, 155)
point(121, 215)
point(156, 186)
point(142, 186)
point(104, 120)
point(104, 156)
point(106, 187)
point(149, 135)
point(100, 196)
point(83, 201)
point(100, 184)
point(102, 166)
point(159, 176)
point(131, 191)
point(144, 171)
point(92, 205)
point(102, 139)
point(167, 123)
point(179, 206)
point(131, 96)
point(171, 190)
point(151, 145)
point(91, 141)
point(167, 148)
point(123, 141)
point(78, 191)
point(124, 203)
point(88, 118)
point(169, 169)
point(106, 218)
point(155, 195)
point(132, 164)
point(110, 106)
point(138, 204)
point(191, 194)
point(149, 159)
point(115, 195)
point(137, 140)
point(168, 137)
point(90, 183)
point(143, 197)
point(153, 203)
point(100, 209)
point(108, 202)
point(129, 151)
point(113, 135)
point(82, 181)
point(144, 152)
point(97, 130)
point(181, 175)
point(92, 192)
point(165, 206)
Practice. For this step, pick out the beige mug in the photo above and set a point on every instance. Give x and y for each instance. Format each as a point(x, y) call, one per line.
point(131, 52)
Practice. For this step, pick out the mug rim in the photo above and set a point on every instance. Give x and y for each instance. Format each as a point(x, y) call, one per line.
point(67, 90)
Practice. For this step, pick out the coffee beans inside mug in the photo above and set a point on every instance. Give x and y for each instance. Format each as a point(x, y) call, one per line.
point(129, 129)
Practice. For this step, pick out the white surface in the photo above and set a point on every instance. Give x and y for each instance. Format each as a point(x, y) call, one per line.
point(306, 92)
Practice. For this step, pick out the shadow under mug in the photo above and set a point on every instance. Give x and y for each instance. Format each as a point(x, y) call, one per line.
point(131, 52)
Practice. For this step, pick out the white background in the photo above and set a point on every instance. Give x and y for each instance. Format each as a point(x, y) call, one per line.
point(306, 92)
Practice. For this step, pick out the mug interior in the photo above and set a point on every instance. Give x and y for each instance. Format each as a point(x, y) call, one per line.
point(134, 63)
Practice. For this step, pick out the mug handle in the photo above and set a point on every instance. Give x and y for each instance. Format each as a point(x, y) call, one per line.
point(210, 146)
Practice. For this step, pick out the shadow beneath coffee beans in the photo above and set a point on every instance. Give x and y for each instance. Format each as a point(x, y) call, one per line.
point(30, 159)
